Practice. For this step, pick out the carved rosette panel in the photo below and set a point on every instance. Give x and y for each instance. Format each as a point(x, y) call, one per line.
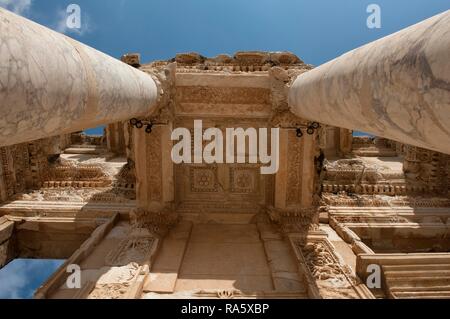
point(154, 165)
point(203, 179)
point(243, 180)
point(295, 168)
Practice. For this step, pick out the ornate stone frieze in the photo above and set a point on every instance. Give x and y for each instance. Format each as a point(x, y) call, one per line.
point(157, 223)
point(427, 170)
point(256, 61)
point(300, 220)
point(326, 272)
point(383, 201)
point(353, 219)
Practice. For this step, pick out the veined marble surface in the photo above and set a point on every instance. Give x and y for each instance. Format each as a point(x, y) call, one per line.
point(397, 87)
point(51, 84)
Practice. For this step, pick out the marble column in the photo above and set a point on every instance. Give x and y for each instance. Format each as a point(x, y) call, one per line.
point(397, 87)
point(51, 84)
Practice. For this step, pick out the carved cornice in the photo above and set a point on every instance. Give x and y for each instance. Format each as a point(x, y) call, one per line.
point(385, 201)
point(296, 220)
point(251, 61)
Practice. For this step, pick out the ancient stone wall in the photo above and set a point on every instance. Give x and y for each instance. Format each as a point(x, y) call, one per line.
point(25, 166)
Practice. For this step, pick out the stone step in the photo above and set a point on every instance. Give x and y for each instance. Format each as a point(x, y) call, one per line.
point(422, 289)
point(410, 268)
point(85, 149)
point(422, 295)
point(373, 151)
point(411, 274)
point(422, 281)
point(84, 146)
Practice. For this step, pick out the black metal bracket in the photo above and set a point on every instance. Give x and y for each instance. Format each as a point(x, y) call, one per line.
point(311, 127)
point(141, 123)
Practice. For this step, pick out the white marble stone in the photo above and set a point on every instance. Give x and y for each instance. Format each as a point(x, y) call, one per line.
point(51, 84)
point(397, 87)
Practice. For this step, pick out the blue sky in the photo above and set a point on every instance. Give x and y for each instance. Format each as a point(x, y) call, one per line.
point(21, 277)
point(315, 30)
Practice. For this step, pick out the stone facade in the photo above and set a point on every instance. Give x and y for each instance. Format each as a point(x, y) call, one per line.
point(140, 226)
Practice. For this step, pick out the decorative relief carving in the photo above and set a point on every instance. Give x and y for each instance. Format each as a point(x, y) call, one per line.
point(209, 95)
point(225, 294)
point(110, 291)
point(427, 171)
point(116, 282)
point(286, 119)
point(352, 219)
point(333, 279)
point(204, 180)
point(137, 249)
point(157, 223)
point(255, 61)
point(243, 180)
point(154, 165)
point(383, 201)
point(295, 169)
point(300, 220)
point(230, 110)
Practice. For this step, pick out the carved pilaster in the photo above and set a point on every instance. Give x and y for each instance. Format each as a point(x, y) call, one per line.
point(154, 167)
point(345, 141)
point(294, 181)
point(115, 138)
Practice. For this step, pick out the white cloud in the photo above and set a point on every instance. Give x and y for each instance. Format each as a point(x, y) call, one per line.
point(17, 6)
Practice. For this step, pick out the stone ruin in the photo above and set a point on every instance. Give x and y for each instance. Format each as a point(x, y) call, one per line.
point(140, 226)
